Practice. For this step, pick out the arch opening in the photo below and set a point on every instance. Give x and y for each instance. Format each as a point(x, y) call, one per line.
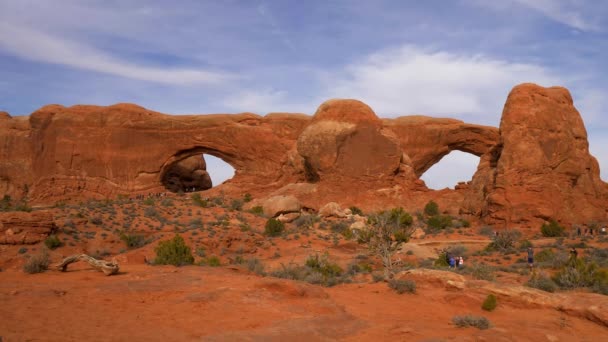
point(194, 170)
point(453, 168)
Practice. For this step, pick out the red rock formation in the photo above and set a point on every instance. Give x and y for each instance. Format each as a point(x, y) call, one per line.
point(541, 169)
point(537, 167)
point(25, 228)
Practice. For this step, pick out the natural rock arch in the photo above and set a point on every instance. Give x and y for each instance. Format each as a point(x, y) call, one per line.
point(186, 170)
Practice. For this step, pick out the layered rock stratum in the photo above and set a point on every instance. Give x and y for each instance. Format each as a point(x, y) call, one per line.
point(536, 166)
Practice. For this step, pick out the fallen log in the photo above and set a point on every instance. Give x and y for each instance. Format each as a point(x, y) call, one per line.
point(107, 267)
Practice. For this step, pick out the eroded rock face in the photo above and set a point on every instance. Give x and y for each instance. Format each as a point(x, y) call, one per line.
point(536, 167)
point(345, 138)
point(541, 168)
point(18, 228)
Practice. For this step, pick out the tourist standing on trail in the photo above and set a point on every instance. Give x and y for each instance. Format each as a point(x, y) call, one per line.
point(578, 231)
point(530, 257)
point(460, 262)
point(452, 262)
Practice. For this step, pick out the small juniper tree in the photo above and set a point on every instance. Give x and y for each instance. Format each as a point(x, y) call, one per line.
point(388, 230)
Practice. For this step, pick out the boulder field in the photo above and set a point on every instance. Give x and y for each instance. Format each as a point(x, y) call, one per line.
point(536, 166)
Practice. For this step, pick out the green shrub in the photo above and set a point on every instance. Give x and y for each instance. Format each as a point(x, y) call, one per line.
point(256, 266)
point(545, 255)
point(273, 227)
point(439, 222)
point(133, 240)
point(257, 210)
point(552, 229)
point(524, 245)
point(198, 201)
point(96, 220)
point(307, 220)
point(212, 261)
point(505, 240)
point(316, 270)
point(465, 223)
point(356, 211)
point(149, 201)
point(582, 273)
point(22, 250)
point(173, 252)
point(402, 286)
point(247, 198)
point(37, 263)
point(479, 322)
point(490, 303)
point(5, 203)
point(542, 282)
point(481, 271)
point(52, 242)
point(167, 202)
point(236, 205)
point(431, 209)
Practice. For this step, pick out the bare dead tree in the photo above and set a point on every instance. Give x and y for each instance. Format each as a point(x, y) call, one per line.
point(107, 267)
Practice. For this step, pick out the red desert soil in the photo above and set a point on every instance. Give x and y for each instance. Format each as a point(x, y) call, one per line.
point(230, 303)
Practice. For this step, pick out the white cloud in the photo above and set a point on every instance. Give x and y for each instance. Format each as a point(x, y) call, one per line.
point(42, 47)
point(568, 12)
point(412, 80)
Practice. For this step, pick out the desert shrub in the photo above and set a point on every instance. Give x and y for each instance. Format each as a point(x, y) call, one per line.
point(96, 220)
point(316, 270)
point(52, 242)
point(133, 240)
point(487, 231)
point(273, 227)
point(490, 303)
point(431, 209)
point(582, 273)
point(256, 266)
point(505, 240)
point(247, 198)
point(361, 267)
point(23, 206)
point(306, 220)
point(257, 210)
point(599, 256)
point(199, 201)
point(22, 250)
point(167, 202)
point(479, 322)
point(196, 223)
point(481, 271)
point(441, 260)
point(439, 222)
point(151, 212)
point(388, 231)
point(5, 203)
point(524, 245)
point(200, 251)
point(542, 282)
point(37, 263)
point(545, 255)
point(212, 261)
point(149, 201)
point(236, 205)
point(402, 285)
point(173, 252)
point(356, 211)
point(552, 229)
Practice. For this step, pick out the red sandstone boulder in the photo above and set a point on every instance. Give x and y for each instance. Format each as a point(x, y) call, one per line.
point(25, 228)
point(345, 138)
point(4, 115)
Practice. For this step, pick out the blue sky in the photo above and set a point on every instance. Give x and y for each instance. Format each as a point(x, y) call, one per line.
point(439, 58)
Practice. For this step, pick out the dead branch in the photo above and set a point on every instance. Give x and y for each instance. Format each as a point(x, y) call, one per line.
point(107, 267)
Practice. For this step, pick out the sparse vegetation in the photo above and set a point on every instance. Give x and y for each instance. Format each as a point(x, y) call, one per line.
point(257, 210)
point(52, 242)
point(479, 322)
point(132, 240)
point(273, 227)
point(542, 282)
point(387, 231)
point(490, 303)
point(431, 209)
point(198, 201)
point(505, 240)
point(173, 252)
point(552, 229)
point(356, 211)
point(37, 263)
point(316, 270)
point(402, 285)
